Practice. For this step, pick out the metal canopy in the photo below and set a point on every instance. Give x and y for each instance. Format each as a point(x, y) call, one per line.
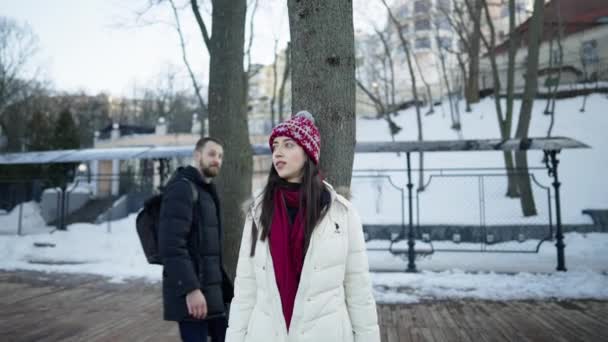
point(159, 152)
point(545, 144)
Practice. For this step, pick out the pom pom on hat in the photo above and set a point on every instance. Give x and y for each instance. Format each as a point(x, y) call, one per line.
point(305, 114)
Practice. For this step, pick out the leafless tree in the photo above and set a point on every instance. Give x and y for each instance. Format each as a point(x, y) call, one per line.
point(273, 96)
point(195, 83)
point(18, 47)
point(250, 71)
point(381, 80)
point(555, 62)
point(465, 20)
point(227, 112)
point(525, 114)
point(406, 50)
point(505, 120)
point(286, 73)
point(452, 102)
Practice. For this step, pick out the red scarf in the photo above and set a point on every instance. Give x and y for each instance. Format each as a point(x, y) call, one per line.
point(287, 247)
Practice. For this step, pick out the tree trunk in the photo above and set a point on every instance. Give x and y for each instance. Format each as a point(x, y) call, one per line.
point(512, 189)
point(274, 85)
point(464, 83)
point(228, 119)
point(286, 72)
point(454, 117)
point(504, 123)
point(195, 84)
point(323, 78)
point(525, 114)
point(472, 88)
point(560, 53)
point(426, 86)
point(389, 107)
point(408, 58)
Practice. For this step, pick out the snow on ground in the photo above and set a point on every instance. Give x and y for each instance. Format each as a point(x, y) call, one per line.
point(31, 220)
point(83, 248)
point(116, 253)
point(452, 284)
point(454, 199)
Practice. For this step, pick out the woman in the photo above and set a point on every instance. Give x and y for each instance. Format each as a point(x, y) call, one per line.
point(302, 273)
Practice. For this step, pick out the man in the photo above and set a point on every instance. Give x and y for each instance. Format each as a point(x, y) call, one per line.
point(195, 286)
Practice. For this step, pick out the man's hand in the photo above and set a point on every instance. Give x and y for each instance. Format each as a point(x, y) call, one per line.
point(197, 305)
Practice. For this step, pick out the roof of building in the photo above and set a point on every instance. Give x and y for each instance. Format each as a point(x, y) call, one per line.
point(576, 16)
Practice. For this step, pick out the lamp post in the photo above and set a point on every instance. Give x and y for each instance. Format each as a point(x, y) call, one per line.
point(64, 203)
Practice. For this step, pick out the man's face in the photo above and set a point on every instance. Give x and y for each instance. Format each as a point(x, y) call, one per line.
point(209, 159)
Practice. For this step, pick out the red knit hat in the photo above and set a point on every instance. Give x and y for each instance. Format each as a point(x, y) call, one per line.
point(302, 129)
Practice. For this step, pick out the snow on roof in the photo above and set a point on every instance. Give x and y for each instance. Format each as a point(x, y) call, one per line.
point(156, 152)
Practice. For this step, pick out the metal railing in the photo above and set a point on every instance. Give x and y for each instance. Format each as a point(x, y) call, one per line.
point(436, 233)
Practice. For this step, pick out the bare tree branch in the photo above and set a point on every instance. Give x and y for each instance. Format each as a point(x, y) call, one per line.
point(491, 47)
point(251, 35)
point(406, 50)
point(560, 61)
point(286, 72)
point(197, 88)
point(274, 83)
point(389, 56)
point(18, 44)
point(201, 23)
point(376, 101)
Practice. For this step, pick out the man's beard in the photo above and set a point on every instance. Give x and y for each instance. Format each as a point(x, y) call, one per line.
point(211, 171)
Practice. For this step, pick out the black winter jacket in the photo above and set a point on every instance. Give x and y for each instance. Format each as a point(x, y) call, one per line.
point(190, 244)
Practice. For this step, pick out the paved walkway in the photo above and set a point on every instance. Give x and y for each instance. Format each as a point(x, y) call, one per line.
point(67, 307)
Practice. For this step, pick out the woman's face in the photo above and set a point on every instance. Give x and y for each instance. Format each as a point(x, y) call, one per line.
point(288, 159)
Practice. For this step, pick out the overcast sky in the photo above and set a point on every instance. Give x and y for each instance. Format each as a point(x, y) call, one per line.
point(100, 45)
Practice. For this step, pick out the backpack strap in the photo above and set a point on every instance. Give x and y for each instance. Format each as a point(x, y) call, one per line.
point(194, 190)
point(192, 187)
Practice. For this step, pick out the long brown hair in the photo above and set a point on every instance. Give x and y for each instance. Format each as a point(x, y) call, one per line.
point(310, 197)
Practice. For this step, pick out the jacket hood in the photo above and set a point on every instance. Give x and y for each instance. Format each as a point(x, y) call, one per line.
point(191, 173)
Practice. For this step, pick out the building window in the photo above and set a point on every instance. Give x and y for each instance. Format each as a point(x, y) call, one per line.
point(422, 6)
point(423, 43)
point(520, 7)
point(422, 24)
point(444, 42)
point(504, 11)
point(589, 53)
point(444, 6)
point(442, 23)
point(404, 12)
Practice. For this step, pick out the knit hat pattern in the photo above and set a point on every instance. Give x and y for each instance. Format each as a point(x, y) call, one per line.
point(301, 128)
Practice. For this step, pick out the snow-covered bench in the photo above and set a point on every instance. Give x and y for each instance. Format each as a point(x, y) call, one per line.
point(380, 232)
point(599, 217)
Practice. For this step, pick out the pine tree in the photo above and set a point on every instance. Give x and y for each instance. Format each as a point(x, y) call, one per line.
point(40, 134)
point(65, 137)
point(66, 132)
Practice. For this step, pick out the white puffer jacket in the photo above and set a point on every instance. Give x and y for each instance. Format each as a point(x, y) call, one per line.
point(334, 301)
